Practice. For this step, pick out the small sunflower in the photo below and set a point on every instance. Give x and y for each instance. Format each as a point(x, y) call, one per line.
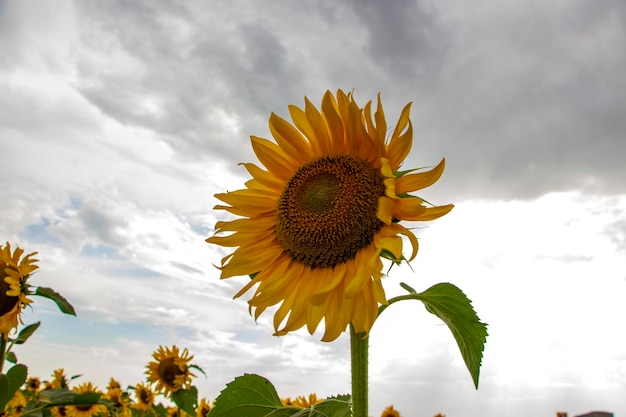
point(33, 384)
point(118, 397)
point(306, 402)
point(145, 397)
point(14, 288)
point(316, 222)
point(113, 383)
point(86, 410)
point(390, 411)
point(59, 379)
point(60, 411)
point(203, 408)
point(15, 406)
point(170, 371)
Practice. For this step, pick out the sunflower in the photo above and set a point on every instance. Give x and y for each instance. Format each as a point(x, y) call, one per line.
point(113, 383)
point(170, 370)
point(33, 384)
point(145, 397)
point(390, 412)
point(203, 408)
point(13, 286)
point(86, 410)
point(59, 379)
point(317, 220)
point(306, 402)
point(15, 407)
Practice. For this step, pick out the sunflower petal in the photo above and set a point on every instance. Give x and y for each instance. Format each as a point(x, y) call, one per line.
point(414, 182)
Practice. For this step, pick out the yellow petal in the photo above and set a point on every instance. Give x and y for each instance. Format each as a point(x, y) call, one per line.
point(413, 182)
point(289, 139)
point(385, 209)
point(273, 158)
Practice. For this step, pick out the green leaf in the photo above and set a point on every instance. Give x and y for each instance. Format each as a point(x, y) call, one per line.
point(4, 391)
point(11, 357)
point(250, 396)
point(17, 377)
point(186, 399)
point(331, 407)
point(60, 301)
point(59, 396)
point(11, 382)
point(26, 332)
point(448, 302)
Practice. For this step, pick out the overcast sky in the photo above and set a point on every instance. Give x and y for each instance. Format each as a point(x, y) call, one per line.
point(119, 120)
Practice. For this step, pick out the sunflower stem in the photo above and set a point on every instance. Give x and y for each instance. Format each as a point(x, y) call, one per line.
point(359, 362)
point(3, 347)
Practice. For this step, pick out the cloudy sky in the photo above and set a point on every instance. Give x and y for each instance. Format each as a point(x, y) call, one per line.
point(120, 120)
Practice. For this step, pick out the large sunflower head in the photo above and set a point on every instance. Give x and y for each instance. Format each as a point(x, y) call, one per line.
point(86, 410)
point(170, 370)
point(316, 221)
point(14, 288)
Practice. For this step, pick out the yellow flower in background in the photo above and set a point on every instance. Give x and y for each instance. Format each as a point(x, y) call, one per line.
point(170, 371)
point(59, 379)
point(15, 406)
point(60, 411)
point(113, 383)
point(317, 220)
point(203, 408)
point(117, 397)
point(86, 410)
point(390, 412)
point(13, 286)
point(145, 397)
point(33, 384)
point(306, 402)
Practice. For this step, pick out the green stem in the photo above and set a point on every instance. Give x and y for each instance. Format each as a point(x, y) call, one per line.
point(359, 362)
point(3, 347)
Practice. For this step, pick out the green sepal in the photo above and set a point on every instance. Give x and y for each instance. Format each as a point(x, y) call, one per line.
point(11, 382)
point(250, 395)
point(198, 368)
point(186, 399)
point(60, 301)
point(452, 306)
point(26, 332)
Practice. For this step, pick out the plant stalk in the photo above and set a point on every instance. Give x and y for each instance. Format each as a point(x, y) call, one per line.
point(359, 362)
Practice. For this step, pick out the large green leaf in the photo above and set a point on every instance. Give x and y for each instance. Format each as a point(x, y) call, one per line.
point(332, 407)
point(186, 399)
point(11, 382)
point(450, 304)
point(250, 396)
point(60, 301)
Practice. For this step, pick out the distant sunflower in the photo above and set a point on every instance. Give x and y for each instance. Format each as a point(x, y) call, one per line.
point(15, 407)
point(59, 379)
point(14, 288)
point(203, 408)
point(306, 402)
point(86, 410)
point(113, 383)
point(318, 219)
point(33, 384)
point(390, 411)
point(145, 397)
point(170, 371)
